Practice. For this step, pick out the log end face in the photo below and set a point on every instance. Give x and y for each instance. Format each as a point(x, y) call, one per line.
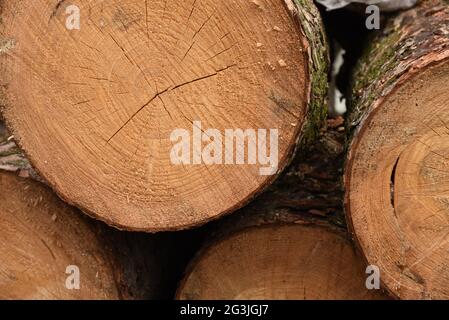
point(302, 261)
point(396, 190)
point(49, 251)
point(125, 115)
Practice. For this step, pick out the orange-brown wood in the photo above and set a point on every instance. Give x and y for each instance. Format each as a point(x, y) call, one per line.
point(94, 108)
point(40, 237)
point(397, 200)
point(294, 260)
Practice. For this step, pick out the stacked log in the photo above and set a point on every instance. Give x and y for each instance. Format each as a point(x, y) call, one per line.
point(98, 109)
point(396, 192)
point(155, 116)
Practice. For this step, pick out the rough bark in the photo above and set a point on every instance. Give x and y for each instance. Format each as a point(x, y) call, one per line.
point(394, 179)
point(312, 27)
point(411, 40)
point(311, 185)
point(12, 158)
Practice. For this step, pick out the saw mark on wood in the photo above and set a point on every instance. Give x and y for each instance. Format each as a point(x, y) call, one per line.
point(432, 129)
point(432, 151)
point(165, 9)
point(437, 245)
point(82, 102)
point(282, 104)
point(89, 46)
point(444, 123)
point(219, 40)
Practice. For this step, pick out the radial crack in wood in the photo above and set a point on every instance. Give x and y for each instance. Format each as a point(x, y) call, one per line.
point(94, 108)
point(285, 258)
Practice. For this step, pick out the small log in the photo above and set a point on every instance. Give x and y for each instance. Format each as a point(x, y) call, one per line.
point(277, 257)
point(42, 236)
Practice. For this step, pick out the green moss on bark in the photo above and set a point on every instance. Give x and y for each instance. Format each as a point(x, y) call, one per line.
point(318, 57)
point(392, 52)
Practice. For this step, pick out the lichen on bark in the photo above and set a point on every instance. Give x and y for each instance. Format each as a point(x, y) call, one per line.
point(406, 41)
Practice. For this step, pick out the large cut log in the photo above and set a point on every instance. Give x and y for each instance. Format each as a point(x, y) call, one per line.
point(397, 199)
point(277, 257)
point(95, 109)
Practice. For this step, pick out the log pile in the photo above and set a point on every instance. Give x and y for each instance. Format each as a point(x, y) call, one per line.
point(149, 118)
